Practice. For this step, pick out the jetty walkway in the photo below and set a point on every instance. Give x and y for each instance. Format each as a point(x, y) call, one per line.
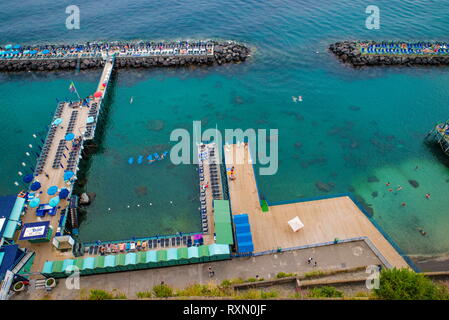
point(73, 124)
point(128, 55)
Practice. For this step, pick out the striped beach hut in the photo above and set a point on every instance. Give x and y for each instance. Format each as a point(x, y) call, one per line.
point(109, 263)
point(88, 266)
point(151, 259)
point(141, 260)
point(46, 269)
point(172, 256)
point(203, 253)
point(219, 251)
point(161, 258)
point(68, 266)
point(99, 264)
point(193, 254)
point(56, 269)
point(183, 255)
point(130, 261)
point(120, 261)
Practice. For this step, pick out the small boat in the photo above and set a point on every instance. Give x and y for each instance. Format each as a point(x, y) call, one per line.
point(131, 100)
point(139, 160)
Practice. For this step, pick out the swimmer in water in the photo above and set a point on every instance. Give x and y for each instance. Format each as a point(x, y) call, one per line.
point(294, 99)
point(427, 195)
point(387, 184)
point(403, 204)
point(399, 188)
point(390, 189)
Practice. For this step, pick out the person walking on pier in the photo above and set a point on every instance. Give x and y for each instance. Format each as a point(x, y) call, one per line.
point(211, 272)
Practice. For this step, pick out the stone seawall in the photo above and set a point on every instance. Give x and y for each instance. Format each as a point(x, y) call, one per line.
point(223, 53)
point(348, 52)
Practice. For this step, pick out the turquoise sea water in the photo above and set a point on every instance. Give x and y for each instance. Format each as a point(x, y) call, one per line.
point(352, 126)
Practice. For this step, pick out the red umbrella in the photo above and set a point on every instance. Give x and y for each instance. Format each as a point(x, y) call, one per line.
point(104, 84)
point(98, 94)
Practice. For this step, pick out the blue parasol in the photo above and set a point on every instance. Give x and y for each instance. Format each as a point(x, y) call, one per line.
point(57, 121)
point(33, 52)
point(90, 120)
point(52, 190)
point(17, 46)
point(8, 46)
point(68, 175)
point(63, 194)
point(28, 178)
point(35, 186)
point(53, 202)
point(35, 202)
point(45, 51)
point(69, 136)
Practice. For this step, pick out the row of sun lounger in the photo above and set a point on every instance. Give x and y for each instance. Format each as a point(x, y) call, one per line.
point(72, 121)
point(59, 110)
point(73, 157)
point(45, 149)
point(59, 153)
point(139, 245)
point(214, 175)
point(92, 113)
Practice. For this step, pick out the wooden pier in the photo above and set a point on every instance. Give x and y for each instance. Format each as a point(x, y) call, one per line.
point(324, 220)
point(58, 156)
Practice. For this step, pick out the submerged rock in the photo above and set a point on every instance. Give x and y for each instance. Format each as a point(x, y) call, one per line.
point(374, 194)
point(155, 125)
point(354, 108)
point(373, 179)
point(414, 183)
point(322, 186)
point(298, 144)
point(141, 191)
point(84, 199)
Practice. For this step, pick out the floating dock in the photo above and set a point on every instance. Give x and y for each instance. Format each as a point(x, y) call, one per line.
point(324, 220)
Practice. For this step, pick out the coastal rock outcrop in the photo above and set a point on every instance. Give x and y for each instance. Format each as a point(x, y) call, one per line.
point(348, 52)
point(224, 52)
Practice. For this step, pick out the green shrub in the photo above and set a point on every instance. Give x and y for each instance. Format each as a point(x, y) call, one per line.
point(144, 294)
point(314, 274)
point(202, 290)
point(404, 284)
point(162, 291)
point(96, 294)
point(251, 280)
point(325, 292)
point(285, 275)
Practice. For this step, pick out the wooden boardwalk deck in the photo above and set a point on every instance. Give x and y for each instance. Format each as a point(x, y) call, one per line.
point(324, 220)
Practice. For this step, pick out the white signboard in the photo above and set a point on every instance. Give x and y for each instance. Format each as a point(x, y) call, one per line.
point(34, 231)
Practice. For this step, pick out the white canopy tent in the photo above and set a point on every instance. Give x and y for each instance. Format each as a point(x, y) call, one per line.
point(296, 224)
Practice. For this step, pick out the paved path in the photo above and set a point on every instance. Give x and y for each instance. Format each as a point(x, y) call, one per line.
point(343, 255)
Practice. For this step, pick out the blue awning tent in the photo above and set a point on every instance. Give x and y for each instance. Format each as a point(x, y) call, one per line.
point(9, 257)
point(6, 205)
point(63, 194)
point(243, 234)
point(45, 51)
point(28, 178)
point(36, 185)
point(14, 218)
point(68, 175)
point(52, 190)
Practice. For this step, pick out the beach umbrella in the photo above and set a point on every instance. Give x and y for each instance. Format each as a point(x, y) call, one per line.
point(98, 94)
point(17, 46)
point(45, 51)
point(63, 194)
point(90, 120)
point(70, 136)
point(8, 46)
point(26, 51)
point(35, 202)
point(57, 121)
point(52, 190)
point(28, 178)
point(104, 84)
point(53, 202)
point(68, 175)
point(33, 52)
point(35, 186)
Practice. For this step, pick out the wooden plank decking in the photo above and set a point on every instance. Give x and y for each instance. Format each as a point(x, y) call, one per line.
point(324, 220)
